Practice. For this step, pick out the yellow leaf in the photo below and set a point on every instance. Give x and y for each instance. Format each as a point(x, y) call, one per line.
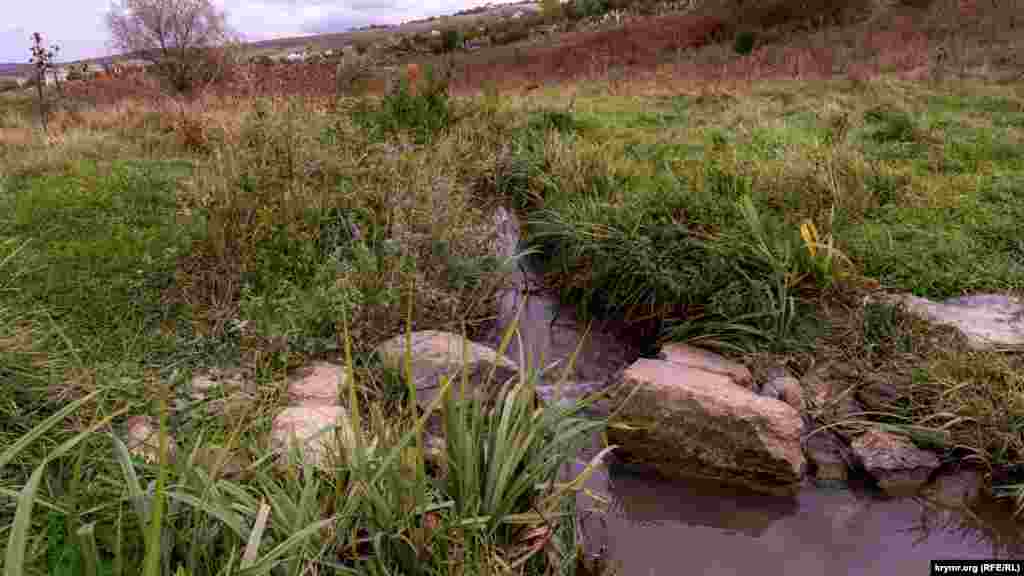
point(810, 235)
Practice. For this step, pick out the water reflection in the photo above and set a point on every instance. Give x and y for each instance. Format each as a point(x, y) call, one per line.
point(654, 527)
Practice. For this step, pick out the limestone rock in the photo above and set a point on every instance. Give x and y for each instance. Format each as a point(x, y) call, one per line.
point(895, 462)
point(318, 384)
point(988, 321)
point(686, 422)
point(435, 353)
point(313, 429)
point(699, 359)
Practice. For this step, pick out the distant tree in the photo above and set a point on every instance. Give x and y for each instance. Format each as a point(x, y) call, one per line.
point(42, 59)
point(177, 36)
point(552, 10)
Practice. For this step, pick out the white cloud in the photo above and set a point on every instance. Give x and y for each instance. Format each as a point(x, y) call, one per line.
point(78, 25)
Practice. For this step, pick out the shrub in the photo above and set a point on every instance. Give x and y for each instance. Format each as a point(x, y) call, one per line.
point(591, 8)
point(744, 42)
point(424, 113)
point(452, 40)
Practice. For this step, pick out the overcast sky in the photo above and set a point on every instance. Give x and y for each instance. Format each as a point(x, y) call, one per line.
point(77, 25)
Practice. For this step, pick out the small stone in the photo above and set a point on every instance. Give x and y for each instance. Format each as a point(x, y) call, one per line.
point(312, 429)
point(435, 354)
point(143, 439)
point(988, 321)
point(900, 467)
point(691, 357)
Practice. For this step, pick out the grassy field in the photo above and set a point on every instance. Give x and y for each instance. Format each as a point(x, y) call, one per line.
point(144, 241)
point(756, 219)
point(142, 244)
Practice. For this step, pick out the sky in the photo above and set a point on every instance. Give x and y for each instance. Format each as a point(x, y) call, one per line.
point(77, 26)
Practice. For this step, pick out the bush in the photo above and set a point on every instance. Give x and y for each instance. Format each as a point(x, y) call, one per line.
point(590, 8)
point(744, 43)
point(452, 40)
point(423, 113)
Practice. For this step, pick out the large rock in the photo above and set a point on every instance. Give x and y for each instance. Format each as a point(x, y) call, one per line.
point(319, 432)
point(436, 354)
point(899, 466)
point(686, 422)
point(698, 359)
point(988, 321)
point(318, 384)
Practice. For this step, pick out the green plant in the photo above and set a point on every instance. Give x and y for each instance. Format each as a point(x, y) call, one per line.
point(591, 8)
point(452, 39)
point(744, 42)
point(423, 113)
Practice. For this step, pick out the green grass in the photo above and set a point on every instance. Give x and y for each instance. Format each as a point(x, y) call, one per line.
point(744, 221)
point(296, 233)
point(102, 244)
point(919, 191)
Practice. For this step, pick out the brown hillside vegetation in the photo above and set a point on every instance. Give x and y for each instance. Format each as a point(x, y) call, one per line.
point(977, 37)
point(913, 39)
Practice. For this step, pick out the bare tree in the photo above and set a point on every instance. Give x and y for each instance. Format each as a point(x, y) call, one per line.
point(177, 36)
point(42, 59)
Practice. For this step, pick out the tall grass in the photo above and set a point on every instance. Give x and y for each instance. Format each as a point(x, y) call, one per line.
point(497, 504)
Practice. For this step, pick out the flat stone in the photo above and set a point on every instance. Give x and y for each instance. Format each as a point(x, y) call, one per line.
point(689, 423)
point(435, 354)
point(988, 321)
point(900, 467)
point(313, 430)
point(691, 357)
point(320, 383)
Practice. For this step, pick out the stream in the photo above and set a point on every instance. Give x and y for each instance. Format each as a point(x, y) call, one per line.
point(652, 527)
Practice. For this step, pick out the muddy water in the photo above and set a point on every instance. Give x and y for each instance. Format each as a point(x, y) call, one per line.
point(653, 527)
